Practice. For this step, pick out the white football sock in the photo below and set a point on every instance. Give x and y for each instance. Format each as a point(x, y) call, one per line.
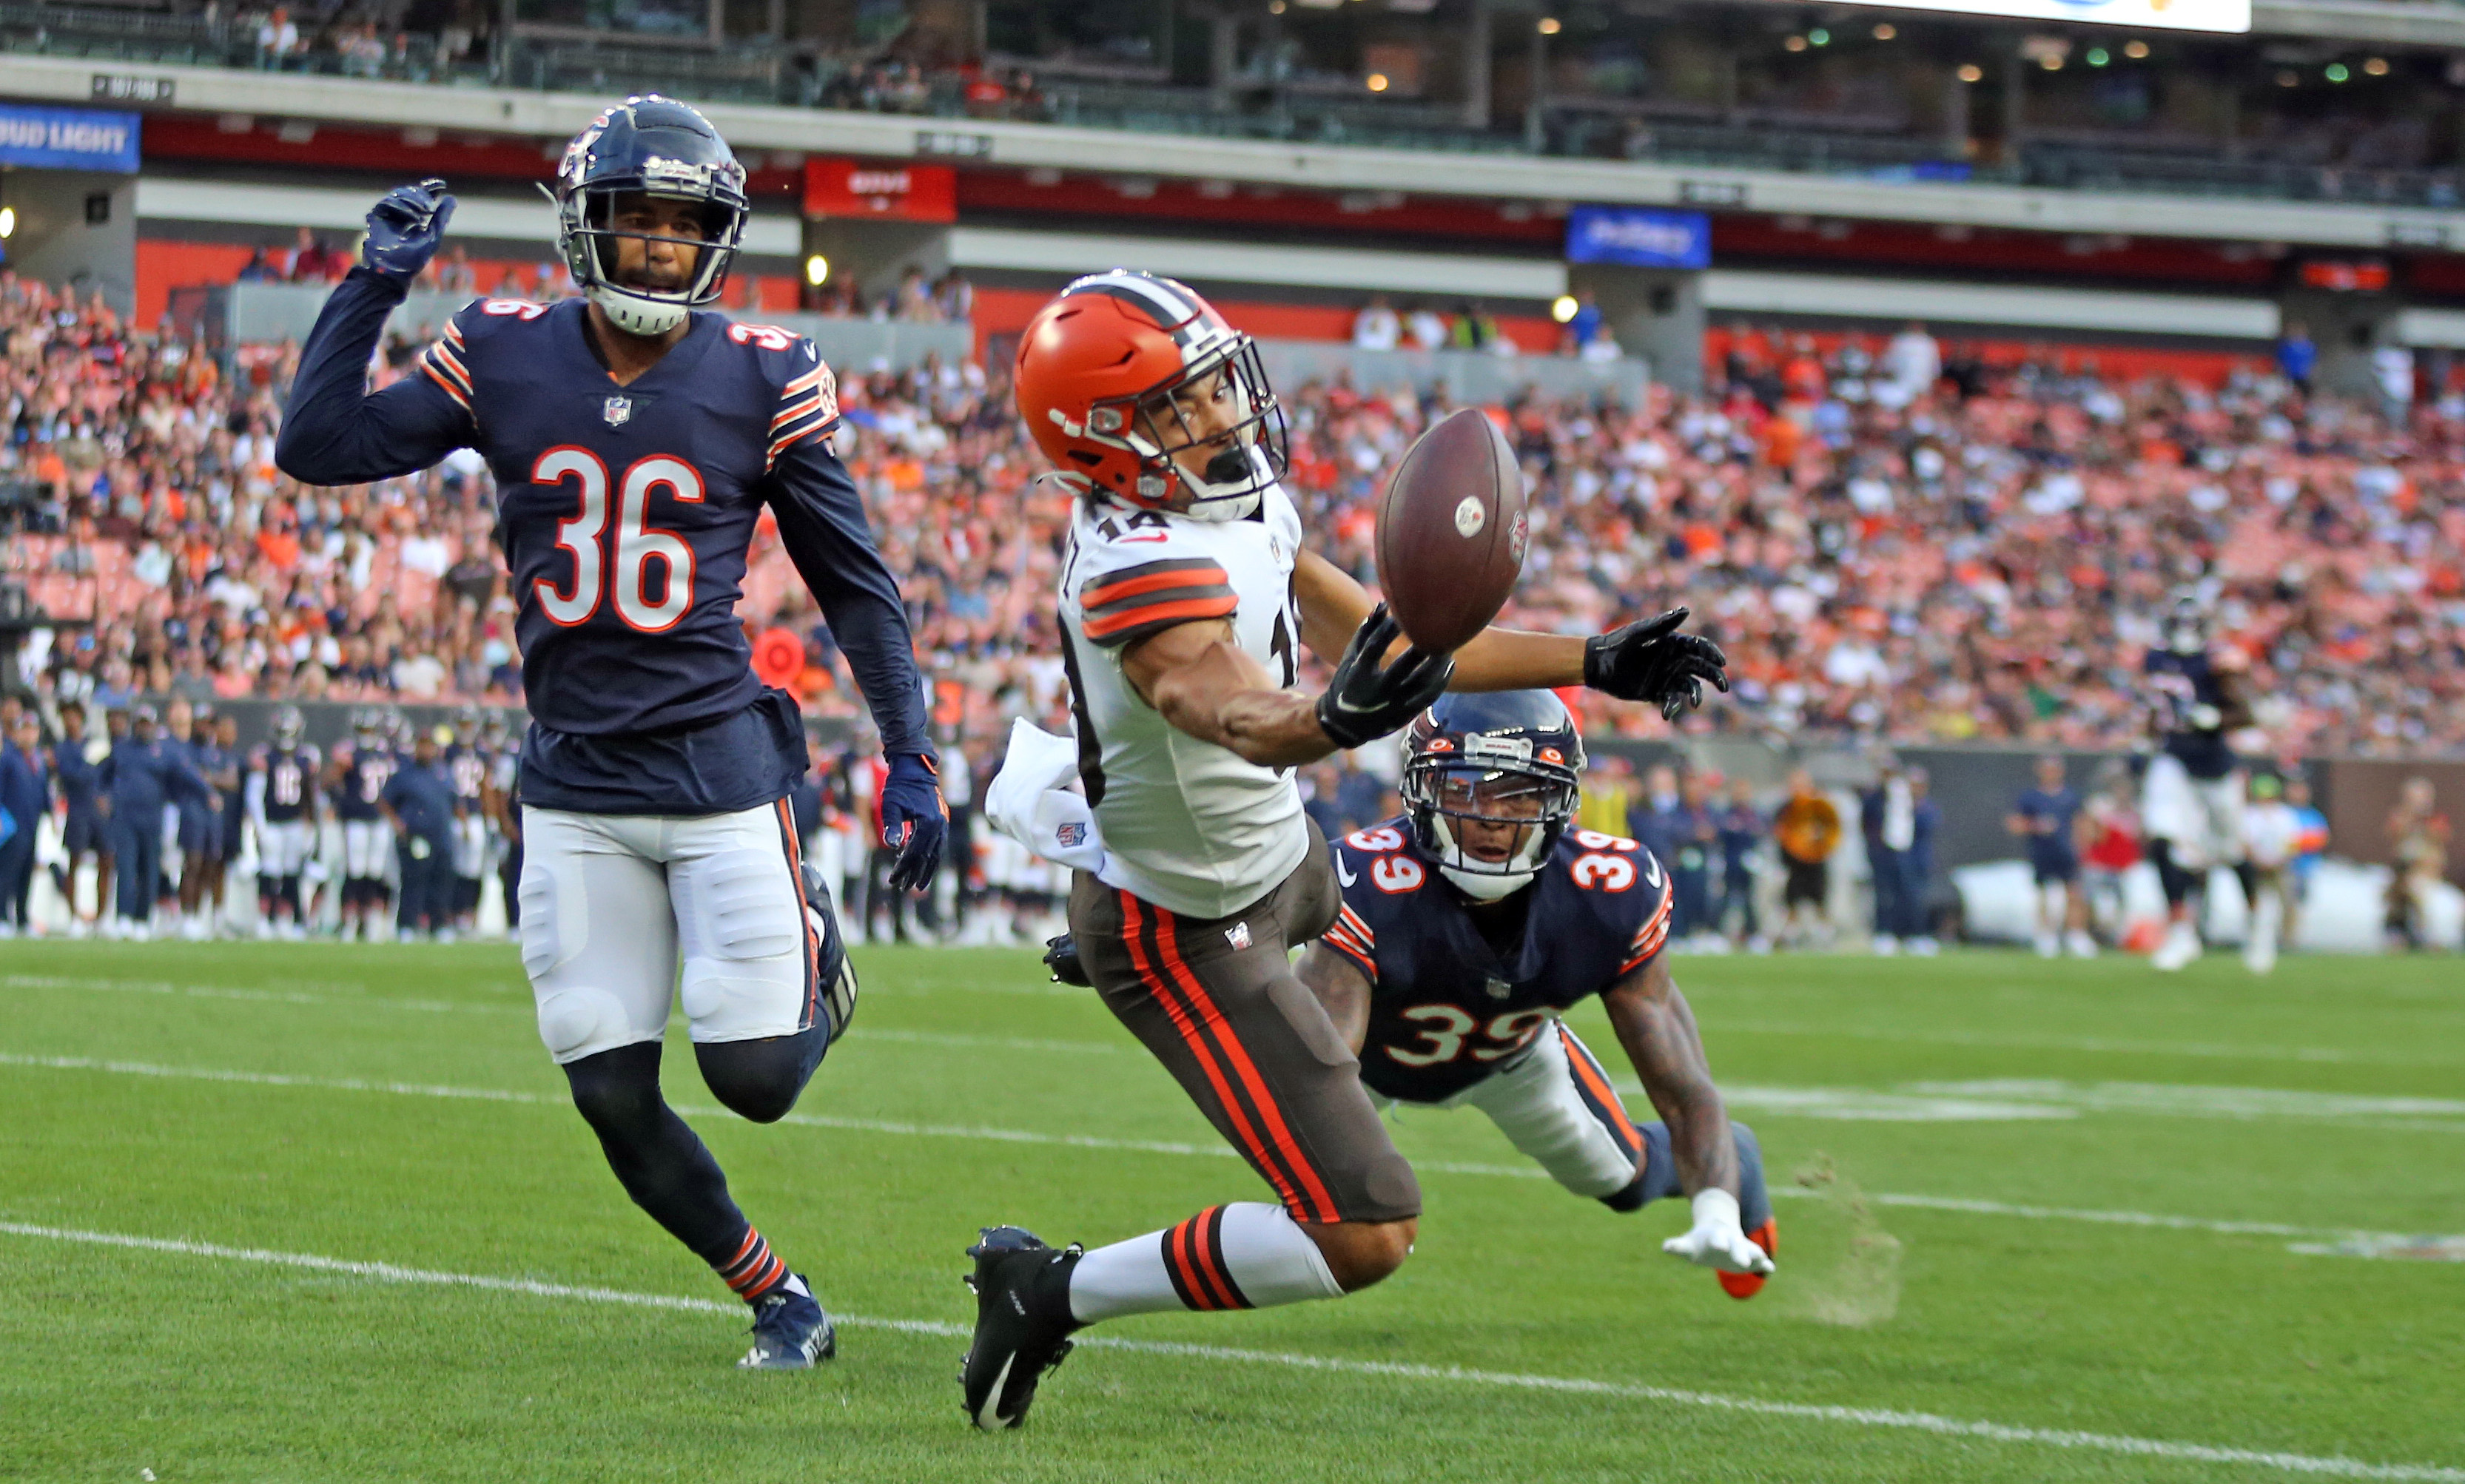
point(1244, 1255)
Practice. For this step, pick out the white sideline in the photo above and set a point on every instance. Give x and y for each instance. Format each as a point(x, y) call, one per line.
point(2340, 1241)
point(1855, 1416)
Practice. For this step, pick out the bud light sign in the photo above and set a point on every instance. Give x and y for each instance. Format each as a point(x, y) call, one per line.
point(1639, 237)
point(68, 139)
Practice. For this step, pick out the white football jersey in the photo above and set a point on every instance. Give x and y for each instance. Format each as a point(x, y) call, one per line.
point(2272, 833)
point(1186, 825)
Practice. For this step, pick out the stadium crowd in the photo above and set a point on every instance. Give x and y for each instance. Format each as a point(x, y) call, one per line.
point(1979, 554)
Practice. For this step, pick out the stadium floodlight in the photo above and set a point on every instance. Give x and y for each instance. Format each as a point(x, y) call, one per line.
point(2220, 15)
point(1562, 308)
point(817, 270)
point(8, 222)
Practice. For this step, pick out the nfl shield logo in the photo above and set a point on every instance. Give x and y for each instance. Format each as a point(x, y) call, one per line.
point(1072, 833)
point(1237, 935)
point(618, 410)
point(1499, 989)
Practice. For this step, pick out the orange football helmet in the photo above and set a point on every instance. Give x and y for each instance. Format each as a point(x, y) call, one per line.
point(1105, 376)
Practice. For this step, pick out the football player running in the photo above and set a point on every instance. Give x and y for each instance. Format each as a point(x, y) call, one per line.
point(2191, 800)
point(1472, 921)
point(634, 442)
point(1185, 596)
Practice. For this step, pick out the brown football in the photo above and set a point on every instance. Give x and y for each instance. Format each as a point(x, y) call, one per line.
point(1452, 530)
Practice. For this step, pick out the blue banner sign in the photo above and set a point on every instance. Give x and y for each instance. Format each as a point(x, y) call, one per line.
point(68, 139)
point(1639, 237)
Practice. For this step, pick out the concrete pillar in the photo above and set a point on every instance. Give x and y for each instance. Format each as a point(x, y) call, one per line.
point(876, 253)
point(1656, 313)
point(1223, 56)
point(2015, 105)
point(76, 228)
point(1956, 125)
point(1475, 64)
point(2346, 329)
point(1537, 93)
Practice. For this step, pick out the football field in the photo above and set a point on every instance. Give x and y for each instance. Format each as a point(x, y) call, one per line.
point(315, 1213)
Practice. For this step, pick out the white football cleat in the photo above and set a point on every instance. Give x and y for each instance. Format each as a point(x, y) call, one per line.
point(2179, 950)
point(2079, 944)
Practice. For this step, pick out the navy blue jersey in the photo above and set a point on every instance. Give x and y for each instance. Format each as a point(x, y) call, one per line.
point(289, 779)
point(139, 776)
point(76, 777)
point(365, 774)
point(626, 512)
point(200, 800)
point(1446, 1006)
point(2191, 705)
point(2053, 813)
point(422, 797)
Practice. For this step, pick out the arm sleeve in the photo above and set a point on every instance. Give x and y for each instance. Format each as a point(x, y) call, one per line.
point(822, 525)
point(253, 798)
point(333, 432)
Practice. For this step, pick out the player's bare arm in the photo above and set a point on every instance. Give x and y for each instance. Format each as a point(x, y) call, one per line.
point(1648, 660)
point(1342, 990)
point(1657, 1027)
point(1201, 681)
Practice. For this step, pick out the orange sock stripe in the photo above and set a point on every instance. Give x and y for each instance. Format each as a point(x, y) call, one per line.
point(1211, 1250)
point(1322, 1204)
point(753, 1238)
point(1136, 924)
point(1186, 1283)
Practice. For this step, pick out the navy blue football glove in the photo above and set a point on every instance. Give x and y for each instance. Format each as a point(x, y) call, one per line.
point(914, 820)
point(404, 230)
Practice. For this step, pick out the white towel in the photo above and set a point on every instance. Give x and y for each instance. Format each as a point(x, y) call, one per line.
point(1029, 802)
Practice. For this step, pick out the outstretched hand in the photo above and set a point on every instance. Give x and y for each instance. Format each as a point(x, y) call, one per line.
point(1649, 660)
point(1367, 700)
point(1716, 1240)
point(405, 229)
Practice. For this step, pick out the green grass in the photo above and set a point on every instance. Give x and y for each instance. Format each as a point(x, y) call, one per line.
point(198, 1367)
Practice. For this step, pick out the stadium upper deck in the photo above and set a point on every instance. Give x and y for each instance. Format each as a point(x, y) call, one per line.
point(2334, 122)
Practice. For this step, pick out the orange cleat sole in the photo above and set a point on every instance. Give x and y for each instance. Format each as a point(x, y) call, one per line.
point(1746, 1285)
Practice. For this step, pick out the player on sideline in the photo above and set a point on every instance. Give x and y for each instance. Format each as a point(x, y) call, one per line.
point(280, 791)
point(634, 442)
point(1185, 594)
point(1471, 920)
point(2190, 803)
point(360, 773)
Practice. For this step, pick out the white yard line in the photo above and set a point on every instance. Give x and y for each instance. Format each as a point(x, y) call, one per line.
point(2102, 1045)
point(2330, 1241)
point(2329, 1465)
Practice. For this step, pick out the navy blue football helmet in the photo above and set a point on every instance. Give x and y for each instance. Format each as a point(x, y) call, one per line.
point(655, 146)
point(1505, 756)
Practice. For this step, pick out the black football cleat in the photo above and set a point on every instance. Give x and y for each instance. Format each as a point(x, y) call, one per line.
point(1023, 1323)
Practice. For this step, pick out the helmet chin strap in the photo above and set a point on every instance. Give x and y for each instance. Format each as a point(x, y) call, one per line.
point(1488, 888)
point(1489, 885)
point(636, 315)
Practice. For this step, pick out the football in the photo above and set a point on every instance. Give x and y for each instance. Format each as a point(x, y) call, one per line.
point(1452, 529)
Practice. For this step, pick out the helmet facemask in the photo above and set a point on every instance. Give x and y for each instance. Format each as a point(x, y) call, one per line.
point(1488, 821)
point(591, 243)
point(1221, 400)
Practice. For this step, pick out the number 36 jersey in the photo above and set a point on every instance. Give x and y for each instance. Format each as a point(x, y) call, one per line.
point(1446, 1008)
point(1187, 826)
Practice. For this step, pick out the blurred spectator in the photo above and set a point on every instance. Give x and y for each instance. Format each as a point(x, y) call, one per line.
point(1899, 822)
point(1428, 328)
point(259, 269)
point(1912, 363)
point(1807, 830)
point(1608, 795)
point(313, 263)
point(2046, 820)
point(25, 797)
point(1742, 829)
point(2271, 840)
point(2112, 828)
point(277, 40)
point(2392, 368)
point(1377, 326)
point(2419, 836)
point(1652, 819)
point(2311, 834)
point(2297, 357)
point(1694, 836)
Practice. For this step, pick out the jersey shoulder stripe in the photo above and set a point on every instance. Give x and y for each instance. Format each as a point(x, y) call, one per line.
point(1132, 602)
point(1651, 937)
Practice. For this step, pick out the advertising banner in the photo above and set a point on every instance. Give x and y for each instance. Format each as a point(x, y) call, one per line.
point(1639, 237)
point(890, 192)
point(68, 139)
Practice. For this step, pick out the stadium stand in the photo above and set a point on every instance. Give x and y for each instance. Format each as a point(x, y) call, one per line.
point(1976, 557)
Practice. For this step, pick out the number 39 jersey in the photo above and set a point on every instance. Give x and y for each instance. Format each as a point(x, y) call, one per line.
point(1446, 1009)
point(1187, 826)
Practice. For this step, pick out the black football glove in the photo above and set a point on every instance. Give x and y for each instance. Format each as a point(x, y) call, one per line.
point(1650, 660)
point(405, 229)
point(1366, 700)
point(1061, 958)
point(914, 820)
